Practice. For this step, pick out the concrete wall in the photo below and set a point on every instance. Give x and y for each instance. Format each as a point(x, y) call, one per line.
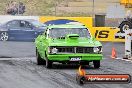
point(5, 18)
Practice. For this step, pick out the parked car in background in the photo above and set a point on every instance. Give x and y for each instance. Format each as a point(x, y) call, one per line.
point(68, 43)
point(21, 30)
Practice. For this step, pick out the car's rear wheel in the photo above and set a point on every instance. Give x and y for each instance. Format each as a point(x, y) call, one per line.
point(4, 36)
point(96, 63)
point(40, 61)
point(48, 62)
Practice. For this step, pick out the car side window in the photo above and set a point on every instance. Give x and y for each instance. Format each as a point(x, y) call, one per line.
point(13, 24)
point(25, 24)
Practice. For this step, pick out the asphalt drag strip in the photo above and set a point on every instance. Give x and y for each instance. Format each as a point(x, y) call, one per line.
point(25, 73)
point(20, 70)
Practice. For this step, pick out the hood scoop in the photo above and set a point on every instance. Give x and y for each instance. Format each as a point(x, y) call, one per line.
point(73, 36)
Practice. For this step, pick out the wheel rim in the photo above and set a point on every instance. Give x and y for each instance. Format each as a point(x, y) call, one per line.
point(125, 27)
point(4, 36)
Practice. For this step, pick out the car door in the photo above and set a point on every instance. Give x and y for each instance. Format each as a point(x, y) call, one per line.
point(14, 30)
point(27, 30)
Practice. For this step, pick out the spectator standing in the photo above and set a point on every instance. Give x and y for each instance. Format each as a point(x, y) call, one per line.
point(21, 8)
point(9, 8)
point(14, 8)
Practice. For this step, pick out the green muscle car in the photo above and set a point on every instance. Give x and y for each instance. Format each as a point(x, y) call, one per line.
point(68, 43)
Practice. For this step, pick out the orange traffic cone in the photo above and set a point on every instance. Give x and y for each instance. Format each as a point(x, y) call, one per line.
point(113, 55)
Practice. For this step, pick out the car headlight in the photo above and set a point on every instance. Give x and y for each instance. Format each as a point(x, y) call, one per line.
point(96, 49)
point(54, 50)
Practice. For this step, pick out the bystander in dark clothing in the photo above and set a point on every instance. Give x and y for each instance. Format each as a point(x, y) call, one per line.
point(21, 8)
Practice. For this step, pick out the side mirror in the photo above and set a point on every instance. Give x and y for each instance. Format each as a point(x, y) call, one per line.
point(45, 34)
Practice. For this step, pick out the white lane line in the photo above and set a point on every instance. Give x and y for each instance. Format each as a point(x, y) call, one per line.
point(129, 60)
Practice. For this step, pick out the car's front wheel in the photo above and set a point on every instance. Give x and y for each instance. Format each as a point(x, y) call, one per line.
point(40, 61)
point(4, 36)
point(96, 63)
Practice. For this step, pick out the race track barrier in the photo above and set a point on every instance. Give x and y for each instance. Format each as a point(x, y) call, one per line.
point(100, 33)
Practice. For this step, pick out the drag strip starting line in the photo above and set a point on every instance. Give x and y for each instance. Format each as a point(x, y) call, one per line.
point(21, 58)
point(128, 60)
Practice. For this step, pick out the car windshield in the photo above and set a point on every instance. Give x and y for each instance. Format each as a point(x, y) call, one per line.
point(38, 24)
point(62, 32)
